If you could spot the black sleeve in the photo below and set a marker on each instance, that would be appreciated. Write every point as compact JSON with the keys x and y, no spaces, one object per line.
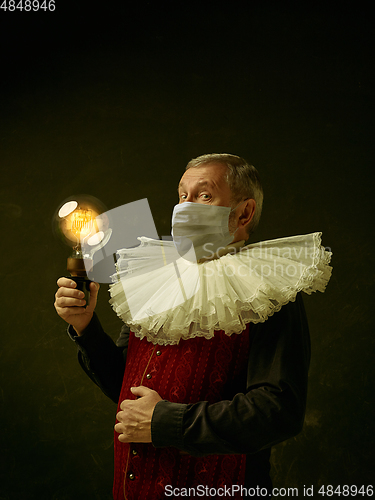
{"x":101,"y":358}
{"x":271,"y":410}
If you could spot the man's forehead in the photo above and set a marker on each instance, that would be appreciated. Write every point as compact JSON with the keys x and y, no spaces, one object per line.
{"x":200,"y":182}
{"x":211,"y":174}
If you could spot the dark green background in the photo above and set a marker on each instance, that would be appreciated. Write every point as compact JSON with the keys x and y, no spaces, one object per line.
{"x":113,"y":101}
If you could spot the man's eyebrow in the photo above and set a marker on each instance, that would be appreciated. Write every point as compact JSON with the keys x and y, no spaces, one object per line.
{"x":200,"y":183}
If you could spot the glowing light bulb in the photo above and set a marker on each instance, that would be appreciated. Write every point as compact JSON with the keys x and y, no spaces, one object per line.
{"x":78,"y":223}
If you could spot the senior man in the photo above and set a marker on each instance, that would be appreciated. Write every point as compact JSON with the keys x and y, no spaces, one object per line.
{"x":204,"y":411}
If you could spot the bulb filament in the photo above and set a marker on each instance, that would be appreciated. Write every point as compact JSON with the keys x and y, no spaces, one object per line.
{"x":82,"y":222}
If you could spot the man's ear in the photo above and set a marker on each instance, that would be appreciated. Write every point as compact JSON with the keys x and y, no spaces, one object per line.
{"x":247,"y":213}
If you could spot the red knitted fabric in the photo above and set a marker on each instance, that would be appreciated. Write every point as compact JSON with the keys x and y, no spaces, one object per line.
{"x":194,"y":370}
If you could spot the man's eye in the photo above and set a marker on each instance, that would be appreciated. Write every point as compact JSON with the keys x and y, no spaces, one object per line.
{"x":205,"y":196}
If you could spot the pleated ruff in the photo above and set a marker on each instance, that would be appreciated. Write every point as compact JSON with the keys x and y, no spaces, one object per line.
{"x":166,"y":298}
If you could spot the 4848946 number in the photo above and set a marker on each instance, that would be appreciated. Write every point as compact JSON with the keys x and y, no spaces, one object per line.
{"x":346,"y":491}
{"x":28,"y":5}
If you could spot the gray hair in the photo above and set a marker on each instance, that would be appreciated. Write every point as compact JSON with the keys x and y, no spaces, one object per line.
{"x":242,"y":178}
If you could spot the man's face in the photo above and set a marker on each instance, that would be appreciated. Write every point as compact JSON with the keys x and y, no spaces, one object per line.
{"x":205,"y":185}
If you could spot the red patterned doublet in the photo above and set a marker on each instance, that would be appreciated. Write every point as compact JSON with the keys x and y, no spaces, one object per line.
{"x":194,"y":370}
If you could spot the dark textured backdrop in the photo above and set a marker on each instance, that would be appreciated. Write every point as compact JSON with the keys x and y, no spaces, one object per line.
{"x":113,"y":101}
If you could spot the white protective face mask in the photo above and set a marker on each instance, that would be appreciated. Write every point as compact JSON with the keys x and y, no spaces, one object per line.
{"x":204,"y":228}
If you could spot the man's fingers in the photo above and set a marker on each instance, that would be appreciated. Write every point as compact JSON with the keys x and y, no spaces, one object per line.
{"x":69,"y":292}
{"x":68,"y":288}
{"x":123,"y":436}
{"x":94,"y":287}
{"x":69,"y":297}
{"x":70,"y":301}
{"x":124,"y":405}
{"x":66,"y":282}
{"x":70,"y":304}
{"x":134,"y":419}
{"x":120,"y":428}
{"x":125,"y":426}
{"x":94,"y":290}
{"x":68,"y":312}
{"x":140,"y":391}
{"x":125,"y":408}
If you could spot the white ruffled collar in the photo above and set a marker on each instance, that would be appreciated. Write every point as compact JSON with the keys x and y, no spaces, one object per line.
{"x":165,"y":298}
